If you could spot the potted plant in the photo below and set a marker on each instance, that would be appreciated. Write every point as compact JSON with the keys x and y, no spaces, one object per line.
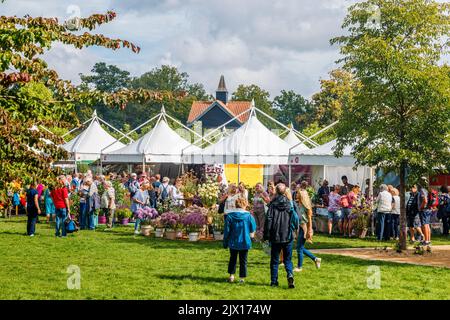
{"x":159,"y":230}
{"x":218,"y":226}
{"x":209,"y":193}
{"x":188,"y":187}
{"x":146,"y":215}
{"x":170,"y":221}
{"x":193,"y":223}
{"x":124,"y":215}
{"x":360,"y":219}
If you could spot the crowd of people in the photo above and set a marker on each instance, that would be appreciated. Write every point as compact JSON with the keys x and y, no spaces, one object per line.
{"x":279,"y":214}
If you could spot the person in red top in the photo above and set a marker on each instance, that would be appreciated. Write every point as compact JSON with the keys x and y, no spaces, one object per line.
{"x":60,"y":198}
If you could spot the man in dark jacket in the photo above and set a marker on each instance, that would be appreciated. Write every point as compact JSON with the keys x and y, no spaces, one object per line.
{"x":281,"y":223}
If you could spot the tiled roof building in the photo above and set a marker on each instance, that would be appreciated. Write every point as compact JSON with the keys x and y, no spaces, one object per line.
{"x":213,"y":114}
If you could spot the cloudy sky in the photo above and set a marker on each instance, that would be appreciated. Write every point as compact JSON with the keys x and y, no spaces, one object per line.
{"x":276,"y":44}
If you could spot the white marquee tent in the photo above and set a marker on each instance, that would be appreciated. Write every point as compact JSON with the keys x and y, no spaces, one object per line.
{"x":294,"y":141}
{"x":88,"y":145}
{"x":252,"y":143}
{"x":327,"y":166}
{"x":160,"y":145}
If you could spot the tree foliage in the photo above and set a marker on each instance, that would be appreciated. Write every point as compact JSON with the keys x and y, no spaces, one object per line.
{"x":31,"y":94}
{"x":399,"y":116}
{"x":291,"y":107}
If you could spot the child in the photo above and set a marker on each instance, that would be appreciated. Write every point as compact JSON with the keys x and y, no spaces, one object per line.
{"x":239,"y":225}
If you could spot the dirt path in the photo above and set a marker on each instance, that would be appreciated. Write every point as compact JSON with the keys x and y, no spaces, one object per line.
{"x":439,"y":257}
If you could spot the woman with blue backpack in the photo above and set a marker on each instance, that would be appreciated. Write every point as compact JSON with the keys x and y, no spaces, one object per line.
{"x":239,"y":225}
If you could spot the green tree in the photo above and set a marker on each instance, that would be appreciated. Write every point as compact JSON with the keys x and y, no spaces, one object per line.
{"x":323,"y":137}
{"x":32,"y":95}
{"x":334,"y":94}
{"x":106,"y":78}
{"x":399,"y":117}
{"x":170,"y":79}
{"x":261,"y":97}
{"x":291,"y":107}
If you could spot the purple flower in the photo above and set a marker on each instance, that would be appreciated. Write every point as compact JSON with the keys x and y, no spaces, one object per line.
{"x":170,"y":219}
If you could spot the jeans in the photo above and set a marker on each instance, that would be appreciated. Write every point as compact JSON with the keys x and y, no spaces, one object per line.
{"x":301,"y":248}
{"x":31,"y":224}
{"x":92,"y":216}
{"x":286,"y":248}
{"x":387,"y":226}
{"x":446,"y":224}
{"x":395,"y":219}
{"x":83,"y":217}
{"x":242,"y":262}
{"x":60,"y":225}
{"x":137,"y":222}
{"x":381,"y":216}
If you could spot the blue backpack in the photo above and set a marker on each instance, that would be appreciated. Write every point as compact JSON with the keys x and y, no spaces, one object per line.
{"x":164,"y":193}
{"x":70,"y":226}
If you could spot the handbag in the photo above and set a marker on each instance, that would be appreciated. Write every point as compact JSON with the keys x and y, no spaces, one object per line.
{"x":70,"y":225}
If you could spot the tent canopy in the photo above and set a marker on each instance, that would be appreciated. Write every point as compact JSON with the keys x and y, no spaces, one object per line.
{"x":293,"y":140}
{"x":89,"y":144}
{"x":323,"y":155}
{"x":160,"y":145}
{"x":252,"y":143}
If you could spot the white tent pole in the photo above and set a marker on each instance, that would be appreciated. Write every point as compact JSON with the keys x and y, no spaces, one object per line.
{"x":77,"y":143}
{"x":314,"y":135}
{"x":324,"y":129}
{"x":146,"y":122}
{"x":224,"y":125}
{"x":252,"y":112}
{"x":143,"y":163}
{"x":117,"y":130}
{"x":289,"y":176}
{"x":279,"y":123}
{"x":153,"y":131}
{"x":75,"y":156}
{"x":239,"y":173}
{"x":45,"y":129}
{"x":117,"y":140}
{"x":89,"y":120}
{"x":186,"y":127}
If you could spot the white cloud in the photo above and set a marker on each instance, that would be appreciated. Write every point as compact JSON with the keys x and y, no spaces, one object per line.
{"x":277,"y":44}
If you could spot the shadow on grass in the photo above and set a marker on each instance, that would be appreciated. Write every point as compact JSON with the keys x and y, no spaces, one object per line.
{"x":204,"y":279}
{"x":156,"y":243}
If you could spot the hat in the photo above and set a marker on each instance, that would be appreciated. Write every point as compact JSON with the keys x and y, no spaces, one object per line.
{"x":134,"y":174}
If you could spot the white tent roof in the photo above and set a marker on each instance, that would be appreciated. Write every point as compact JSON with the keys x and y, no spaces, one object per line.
{"x":323,"y":155}
{"x":89,"y":143}
{"x":160,"y":145}
{"x":293,"y":140}
{"x":252,"y":143}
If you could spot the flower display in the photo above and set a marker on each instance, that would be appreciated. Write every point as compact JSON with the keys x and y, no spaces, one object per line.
{"x":189,"y":184}
{"x":361,"y":216}
{"x":166,"y":206}
{"x":170,"y":220}
{"x":193,"y":222}
{"x":209,"y":193}
{"x":218,"y":222}
{"x":194,"y":209}
{"x":146,"y":215}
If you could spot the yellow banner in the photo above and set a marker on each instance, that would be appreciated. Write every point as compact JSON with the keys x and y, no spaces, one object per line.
{"x":251,"y":174}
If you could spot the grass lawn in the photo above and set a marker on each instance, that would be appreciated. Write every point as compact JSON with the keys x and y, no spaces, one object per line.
{"x":119,"y":265}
